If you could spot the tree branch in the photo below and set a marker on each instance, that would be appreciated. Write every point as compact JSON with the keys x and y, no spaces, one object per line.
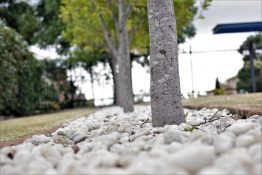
{"x":128,"y":12}
{"x":132,"y":34}
{"x":115,"y":19}
{"x":107,"y":36}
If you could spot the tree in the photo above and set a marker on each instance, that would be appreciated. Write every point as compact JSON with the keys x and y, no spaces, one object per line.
{"x":118,"y":45}
{"x":20,"y":16}
{"x":166,"y":102}
{"x":244,"y":77}
{"x":123,"y":25}
{"x":21,"y":75}
{"x":87,"y":60}
{"x":218,"y":89}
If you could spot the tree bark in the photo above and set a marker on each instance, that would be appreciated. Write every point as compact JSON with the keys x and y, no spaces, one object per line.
{"x":166,"y":102}
{"x":115,"y":73}
{"x":92,"y":81}
{"x":126,"y":91}
{"x":121,"y":54}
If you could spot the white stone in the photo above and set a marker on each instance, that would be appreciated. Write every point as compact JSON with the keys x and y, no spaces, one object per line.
{"x":158,"y":151}
{"x":8,"y":170}
{"x":235,"y":159}
{"x":257,"y":169}
{"x":163,"y":150}
{"x":223,"y":143}
{"x":79,"y":138}
{"x":5,"y":160}
{"x":196,"y":135}
{"x":207,"y":139}
{"x":39,"y":165}
{"x":184,"y":126}
{"x":8,"y":150}
{"x":66,"y":164}
{"x":36,"y":139}
{"x":241,"y":127}
{"x":255,"y":151}
{"x":125,"y":160}
{"x":108,"y":159}
{"x":144,"y":138}
{"x":194,"y":120}
{"x":172,"y":136}
{"x":51,"y":154}
{"x":144,"y":164}
{"x":244,"y":140}
{"x":120,"y":149}
{"x":25,"y":146}
{"x":139,"y":133}
{"x":212,"y":171}
{"x":194,"y":158}
{"x":124,"y":139}
{"x":51,"y":171}
{"x":23,"y":158}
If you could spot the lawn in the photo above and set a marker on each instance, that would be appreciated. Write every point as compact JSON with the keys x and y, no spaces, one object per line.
{"x":21,"y":128}
{"x":251,"y":103}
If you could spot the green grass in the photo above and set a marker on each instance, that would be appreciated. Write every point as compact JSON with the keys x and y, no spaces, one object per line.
{"x":24,"y":127}
{"x":253,"y":100}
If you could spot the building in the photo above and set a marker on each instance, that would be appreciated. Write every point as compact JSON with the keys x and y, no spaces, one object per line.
{"x":230,"y":85}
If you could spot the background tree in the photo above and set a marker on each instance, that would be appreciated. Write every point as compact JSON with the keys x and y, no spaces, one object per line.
{"x":21,"y":75}
{"x":218,"y":89}
{"x":87,"y":60}
{"x":165,"y":93}
{"x":244,"y":77}
{"x":50,"y":26}
{"x":86,"y":29}
{"x":37,"y":22}
{"x":20,"y":16}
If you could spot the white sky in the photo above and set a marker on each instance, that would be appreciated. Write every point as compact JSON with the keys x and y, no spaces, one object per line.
{"x":206,"y":66}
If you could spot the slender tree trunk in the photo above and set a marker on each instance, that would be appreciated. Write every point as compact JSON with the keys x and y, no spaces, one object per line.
{"x":121,"y":54}
{"x":115,"y":73}
{"x":92,"y":82}
{"x":166,"y":103}
{"x":126,"y":91}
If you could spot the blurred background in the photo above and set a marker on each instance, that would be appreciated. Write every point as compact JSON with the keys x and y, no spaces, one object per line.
{"x":53,"y":55}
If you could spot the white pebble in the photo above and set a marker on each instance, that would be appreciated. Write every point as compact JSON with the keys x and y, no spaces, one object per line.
{"x":223,"y":143}
{"x":241,"y":127}
{"x":194,"y":158}
{"x":36,"y":139}
{"x":244,"y":140}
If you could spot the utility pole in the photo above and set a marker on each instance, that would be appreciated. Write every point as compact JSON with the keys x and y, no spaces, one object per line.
{"x":251,"y":48}
{"x":192,"y":78}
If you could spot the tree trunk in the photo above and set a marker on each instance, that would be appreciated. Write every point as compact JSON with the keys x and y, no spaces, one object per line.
{"x":166,"y":103}
{"x":126,"y":91}
{"x":115,"y":73}
{"x":122,"y":56}
{"x":92,"y":82}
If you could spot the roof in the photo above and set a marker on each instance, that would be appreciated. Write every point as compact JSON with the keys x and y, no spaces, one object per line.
{"x":238,"y":27}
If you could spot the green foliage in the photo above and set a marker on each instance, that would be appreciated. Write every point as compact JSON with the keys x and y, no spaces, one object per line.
{"x":217,"y":84}
{"x":23,"y":90}
{"x":218,"y":90}
{"x":84,"y":28}
{"x":50,"y":26}
{"x":20,"y":16}
{"x":38,"y":23}
{"x":191,"y":129}
{"x":20,"y":74}
{"x":244,"y":77}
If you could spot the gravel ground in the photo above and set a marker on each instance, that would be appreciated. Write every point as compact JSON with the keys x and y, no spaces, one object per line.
{"x":111,"y":142}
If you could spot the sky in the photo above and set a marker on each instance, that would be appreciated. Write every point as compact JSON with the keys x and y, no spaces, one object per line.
{"x":206,"y":67}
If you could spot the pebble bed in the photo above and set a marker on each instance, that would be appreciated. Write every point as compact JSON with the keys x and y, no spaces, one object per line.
{"x":111,"y":142}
